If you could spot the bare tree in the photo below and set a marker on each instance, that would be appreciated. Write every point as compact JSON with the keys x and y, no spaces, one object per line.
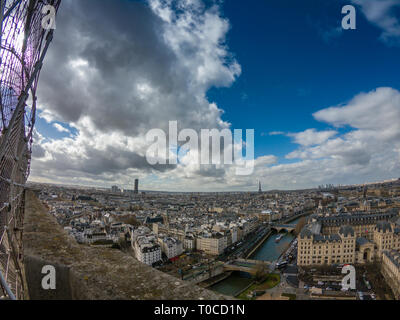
{"x":300,"y":225}
{"x":260,"y":272}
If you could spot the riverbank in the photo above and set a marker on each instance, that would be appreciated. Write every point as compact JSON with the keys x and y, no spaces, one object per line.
{"x":243,"y":291}
{"x":270,"y":282}
{"x":213,"y":281}
{"x":232,"y":285}
{"x":269,"y":250}
{"x":259,"y":244}
{"x":265,"y":250}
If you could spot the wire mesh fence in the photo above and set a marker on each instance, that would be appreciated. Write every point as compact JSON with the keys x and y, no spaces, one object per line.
{"x":24,"y":40}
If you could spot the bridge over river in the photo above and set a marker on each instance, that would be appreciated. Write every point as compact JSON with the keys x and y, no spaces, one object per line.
{"x":245,"y":265}
{"x":268,"y":252}
{"x":284,"y":227}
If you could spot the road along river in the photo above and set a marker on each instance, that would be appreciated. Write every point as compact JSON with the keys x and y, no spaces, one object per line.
{"x":268,"y":251}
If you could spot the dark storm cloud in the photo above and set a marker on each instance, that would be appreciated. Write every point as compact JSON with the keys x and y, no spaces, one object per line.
{"x":118,"y":42}
{"x":122,"y":68}
{"x":38,"y":151}
{"x":104,"y":54}
{"x":96,"y":165}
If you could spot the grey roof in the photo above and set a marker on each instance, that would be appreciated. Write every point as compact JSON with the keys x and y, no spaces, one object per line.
{"x":361,"y":241}
{"x":305,"y":233}
{"x":383,"y":226}
{"x":346,"y":231}
{"x":311,"y":229}
{"x":357,"y":218}
{"x":327,"y":238}
{"x":315,"y":228}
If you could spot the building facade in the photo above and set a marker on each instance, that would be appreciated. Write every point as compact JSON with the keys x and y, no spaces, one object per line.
{"x":212,"y":245}
{"x":171,"y":247}
{"x":361,"y":238}
{"x":189,"y":243}
{"x":391,"y":270}
{"x":145,"y":246}
{"x":136,"y":191}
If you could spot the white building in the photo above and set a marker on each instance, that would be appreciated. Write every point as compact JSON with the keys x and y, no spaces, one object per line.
{"x":234,"y":234}
{"x":171,"y":247}
{"x":189,"y":243}
{"x":145,"y":245}
{"x":270,"y":216}
{"x":91,"y":236}
{"x":147,"y":250}
{"x":212,"y":244}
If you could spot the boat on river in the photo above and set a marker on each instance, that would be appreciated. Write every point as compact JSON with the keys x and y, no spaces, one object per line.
{"x":279,"y":238}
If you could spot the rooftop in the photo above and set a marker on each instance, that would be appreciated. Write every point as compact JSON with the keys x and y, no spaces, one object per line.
{"x":89,"y":273}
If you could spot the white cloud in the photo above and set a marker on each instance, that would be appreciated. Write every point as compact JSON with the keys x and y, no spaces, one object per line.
{"x":312,"y":137}
{"x":382,"y":13}
{"x":116,"y":81}
{"x":375,"y":114}
{"x":276,"y":133}
{"x":367,"y":151}
{"x":60,"y":128}
{"x":149,"y":66}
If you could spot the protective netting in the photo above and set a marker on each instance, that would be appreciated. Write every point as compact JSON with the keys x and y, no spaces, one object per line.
{"x":24,"y":42}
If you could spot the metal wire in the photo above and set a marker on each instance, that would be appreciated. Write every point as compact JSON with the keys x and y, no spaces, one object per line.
{"x":23,"y":45}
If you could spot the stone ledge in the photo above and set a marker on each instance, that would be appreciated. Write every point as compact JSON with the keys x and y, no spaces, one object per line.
{"x":89,"y":273}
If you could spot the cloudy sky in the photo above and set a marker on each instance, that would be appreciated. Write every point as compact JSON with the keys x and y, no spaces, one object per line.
{"x":324,"y":102}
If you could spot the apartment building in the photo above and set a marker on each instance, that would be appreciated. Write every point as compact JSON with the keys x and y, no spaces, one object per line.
{"x":212,"y":244}
{"x":189,"y":243}
{"x":350,"y":244}
{"x":171,"y":247}
{"x":146,"y":247}
{"x":317,"y":249}
{"x":269,"y":215}
{"x":362,"y":223}
{"x":386,"y":237}
{"x":170,"y":230}
{"x":391,"y":270}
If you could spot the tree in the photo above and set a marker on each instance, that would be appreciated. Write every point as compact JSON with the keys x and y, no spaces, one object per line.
{"x":129,"y":220}
{"x":260,"y":272}
{"x":300,"y":225}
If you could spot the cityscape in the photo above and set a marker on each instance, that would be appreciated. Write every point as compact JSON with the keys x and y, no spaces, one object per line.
{"x":205,"y":156}
{"x":274,"y":245}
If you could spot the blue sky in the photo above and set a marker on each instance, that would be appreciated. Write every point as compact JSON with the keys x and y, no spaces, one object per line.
{"x":291,"y":70}
{"x":331,"y":96}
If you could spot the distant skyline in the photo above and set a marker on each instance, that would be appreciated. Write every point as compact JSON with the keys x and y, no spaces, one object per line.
{"x":324,"y":102}
{"x":236,"y":191}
